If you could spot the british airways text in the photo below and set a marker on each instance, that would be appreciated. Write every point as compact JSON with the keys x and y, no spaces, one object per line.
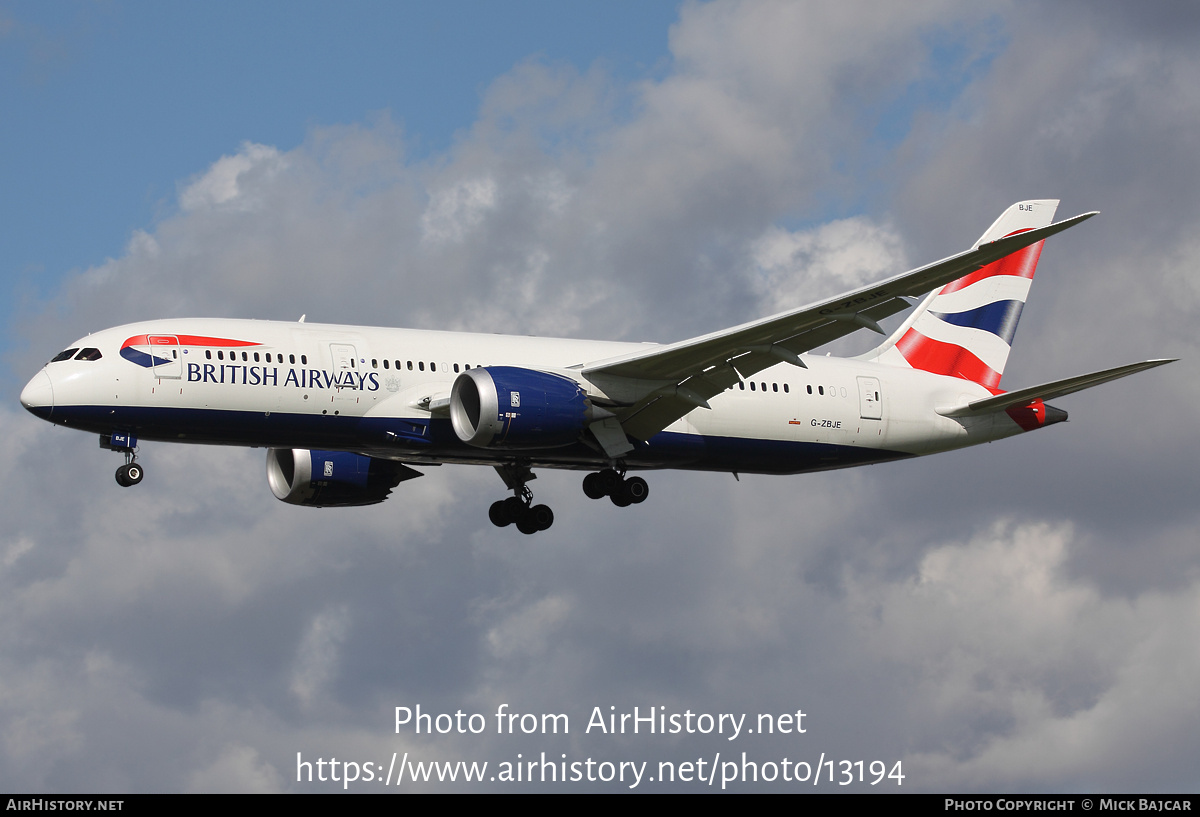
{"x":270,"y":376}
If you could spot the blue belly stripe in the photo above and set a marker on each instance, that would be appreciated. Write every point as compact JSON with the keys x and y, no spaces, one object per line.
{"x":434,"y":440}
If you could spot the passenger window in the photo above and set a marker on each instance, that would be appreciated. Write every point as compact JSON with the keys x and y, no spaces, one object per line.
{"x":456,"y":368}
{"x":742,"y":385}
{"x":246,"y":358}
{"x":410,"y":365}
{"x":385,"y":363}
{"x":751,"y":385}
{"x":304,"y":360}
{"x":774,"y":387}
{"x":821,"y":389}
{"x":66,"y":354}
{"x":208,"y":354}
{"x":421,"y":365}
{"x":786,"y":390}
{"x":375,"y":363}
{"x":810,"y":388}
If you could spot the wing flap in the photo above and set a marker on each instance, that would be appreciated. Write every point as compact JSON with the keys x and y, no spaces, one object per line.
{"x":661,"y":408}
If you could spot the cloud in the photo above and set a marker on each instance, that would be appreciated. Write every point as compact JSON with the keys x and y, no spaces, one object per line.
{"x":238,"y":769}
{"x":795,"y":267}
{"x":231,"y":179}
{"x":317,"y":659}
{"x":455,"y":210}
{"x":1024,"y":675}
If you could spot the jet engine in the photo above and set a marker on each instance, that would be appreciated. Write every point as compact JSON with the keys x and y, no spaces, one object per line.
{"x":331,"y":479}
{"x":512,"y":408}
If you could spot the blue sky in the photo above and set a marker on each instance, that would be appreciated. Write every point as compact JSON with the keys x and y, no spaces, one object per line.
{"x":1013,"y":617}
{"x":109,"y":107}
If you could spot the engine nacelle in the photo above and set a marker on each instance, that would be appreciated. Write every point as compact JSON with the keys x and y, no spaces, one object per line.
{"x":330,"y":479}
{"x":511,"y":408}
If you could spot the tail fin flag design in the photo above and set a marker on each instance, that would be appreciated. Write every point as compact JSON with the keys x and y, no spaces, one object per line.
{"x":965,"y":329}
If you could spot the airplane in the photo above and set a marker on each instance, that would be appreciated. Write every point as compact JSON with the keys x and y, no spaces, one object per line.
{"x":346,"y":412}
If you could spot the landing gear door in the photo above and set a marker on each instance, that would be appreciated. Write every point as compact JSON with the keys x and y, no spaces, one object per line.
{"x":870,"y":401}
{"x":164,"y":351}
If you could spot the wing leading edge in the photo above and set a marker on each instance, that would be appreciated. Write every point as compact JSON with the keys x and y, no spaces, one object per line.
{"x":654,"y":388}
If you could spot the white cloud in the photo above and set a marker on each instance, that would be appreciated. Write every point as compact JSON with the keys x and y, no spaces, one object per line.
{"x":227,"y":182}
{"x":794,"y":268}
{"x":454,"y":210}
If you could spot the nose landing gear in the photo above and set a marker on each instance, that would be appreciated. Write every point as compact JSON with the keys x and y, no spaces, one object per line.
{"x":130,"y":473}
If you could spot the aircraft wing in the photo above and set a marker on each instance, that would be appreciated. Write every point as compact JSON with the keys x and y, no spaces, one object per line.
{"x":1048,"y":391}
{"x":658,"y":386}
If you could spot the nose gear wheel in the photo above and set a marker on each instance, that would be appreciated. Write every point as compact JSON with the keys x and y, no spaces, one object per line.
{"x":131,"y":472}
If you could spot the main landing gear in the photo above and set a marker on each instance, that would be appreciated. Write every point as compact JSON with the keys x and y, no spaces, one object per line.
{"x":519,"y":509}
{"x":614,"y":485}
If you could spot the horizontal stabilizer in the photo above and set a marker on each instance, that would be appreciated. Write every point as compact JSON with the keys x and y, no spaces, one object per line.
{"x":1047,"y":391}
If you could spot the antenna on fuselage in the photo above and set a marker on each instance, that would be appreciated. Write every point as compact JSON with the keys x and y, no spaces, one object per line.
{"x":302,"y":317}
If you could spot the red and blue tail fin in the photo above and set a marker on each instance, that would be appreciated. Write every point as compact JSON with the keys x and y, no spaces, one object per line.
{"x":965,"y":329}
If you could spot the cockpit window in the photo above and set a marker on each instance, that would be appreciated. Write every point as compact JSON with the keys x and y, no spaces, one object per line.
{"x":88,"y":354}
{"x":66,"y":354}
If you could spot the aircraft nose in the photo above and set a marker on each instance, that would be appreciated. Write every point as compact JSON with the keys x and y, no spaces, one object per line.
{"x":38,"y":395}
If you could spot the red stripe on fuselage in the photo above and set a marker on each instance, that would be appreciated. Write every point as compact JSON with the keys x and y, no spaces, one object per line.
{"x":190,"y":340}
